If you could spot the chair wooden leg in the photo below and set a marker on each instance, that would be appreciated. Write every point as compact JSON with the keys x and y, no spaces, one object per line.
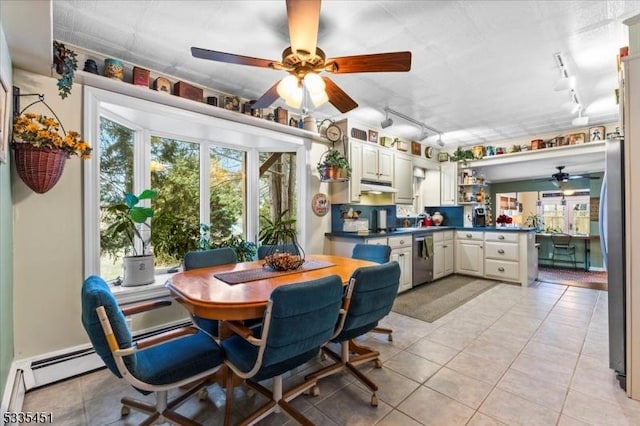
{"x":295,"y":414}
{"x":383,"y":330}
{"x":229,"y":400}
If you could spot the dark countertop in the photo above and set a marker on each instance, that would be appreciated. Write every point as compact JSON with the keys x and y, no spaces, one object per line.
{"x":404,"y":231}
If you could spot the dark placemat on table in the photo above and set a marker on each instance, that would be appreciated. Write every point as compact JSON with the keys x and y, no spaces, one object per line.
{"x":238,"y":277}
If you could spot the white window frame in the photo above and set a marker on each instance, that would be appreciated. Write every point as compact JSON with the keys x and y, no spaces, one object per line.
{"x":231,"y":134}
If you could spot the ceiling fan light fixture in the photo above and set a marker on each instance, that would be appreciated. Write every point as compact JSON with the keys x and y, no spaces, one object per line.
{"x":314,"y":83}
{"x":288,"y":86}
{"x":318,"y":98}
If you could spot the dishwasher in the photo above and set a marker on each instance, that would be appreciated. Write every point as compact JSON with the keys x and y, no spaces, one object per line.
{"x":422,"y":258}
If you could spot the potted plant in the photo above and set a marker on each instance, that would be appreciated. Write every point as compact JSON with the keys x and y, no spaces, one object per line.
{"x":285,"y":253}
{"x":333,"y":165}
{"x":41,"y":150}
{"x":129,"y":218}
{"x":463,"y":155}
{"x":245,"y":250}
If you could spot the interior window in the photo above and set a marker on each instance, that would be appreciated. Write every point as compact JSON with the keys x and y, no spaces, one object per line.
{"x":116,"y":177}
{"x":228,"y":192}
{"x":175,"y":174}
{"x":277,"y":185}
{"x":202,"y":167}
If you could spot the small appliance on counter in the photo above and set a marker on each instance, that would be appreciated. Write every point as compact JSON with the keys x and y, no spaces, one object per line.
{"x":382,"y":220}
{"x":479,"y":216}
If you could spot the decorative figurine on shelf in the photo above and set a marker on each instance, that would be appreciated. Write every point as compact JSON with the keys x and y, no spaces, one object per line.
{"x":90,"y":66}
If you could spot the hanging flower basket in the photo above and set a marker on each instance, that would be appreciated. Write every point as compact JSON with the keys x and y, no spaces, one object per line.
{"x":40,"y":168}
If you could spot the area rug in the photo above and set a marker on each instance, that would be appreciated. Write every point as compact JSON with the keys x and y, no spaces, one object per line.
{"x":429,"y":302}
{"x":571,"y":277}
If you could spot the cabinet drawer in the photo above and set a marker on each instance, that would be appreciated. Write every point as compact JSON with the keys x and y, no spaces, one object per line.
{"x":500,"y":269}
{"x":376,"y":241}
{"x":511,"y":237}
{"x":400,"y":241}
{"x":469,"y":235}
{"x":503,"y":251}
{"x":438,"y":237}
{"x":448,"y":235}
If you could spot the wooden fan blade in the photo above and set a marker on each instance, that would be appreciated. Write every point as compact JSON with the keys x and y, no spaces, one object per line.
{"x":304,"y":19}
{"x":378,"y":62}
{"x":268,"y":98}
{"x":338,"y":97}
{"x":230,"y":58}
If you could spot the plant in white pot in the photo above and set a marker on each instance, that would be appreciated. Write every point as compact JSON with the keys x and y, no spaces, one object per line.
{"x":128,"y":218}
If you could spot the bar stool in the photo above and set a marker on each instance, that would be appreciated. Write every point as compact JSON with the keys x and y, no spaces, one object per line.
{"x":562,"y":247}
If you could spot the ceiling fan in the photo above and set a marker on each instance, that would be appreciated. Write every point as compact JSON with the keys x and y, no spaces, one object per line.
{"x":304,"y":61}
{"x":561,"y":177}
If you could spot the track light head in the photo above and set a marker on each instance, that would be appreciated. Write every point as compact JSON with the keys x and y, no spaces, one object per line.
{"x":386,"y":123}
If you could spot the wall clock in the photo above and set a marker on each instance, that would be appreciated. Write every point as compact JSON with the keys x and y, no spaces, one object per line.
{"x":428,"y":152}
{"x":333,"y":133}
{"x":320,"y":204}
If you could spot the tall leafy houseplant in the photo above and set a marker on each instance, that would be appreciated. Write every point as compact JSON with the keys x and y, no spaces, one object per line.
{"x":129,"y":218}
{"x":285,"y":253}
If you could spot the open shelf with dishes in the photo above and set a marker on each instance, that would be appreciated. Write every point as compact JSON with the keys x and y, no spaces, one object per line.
{"x":472,"y":188}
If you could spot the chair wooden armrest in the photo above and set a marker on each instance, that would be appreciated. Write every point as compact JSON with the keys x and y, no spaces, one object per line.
{"x":144,"y":306}
{"x":166,"y":336}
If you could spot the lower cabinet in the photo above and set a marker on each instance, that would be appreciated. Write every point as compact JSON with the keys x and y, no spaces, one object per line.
{"x":401,"y":252}
{"x":443,"y":254}
{"x":502,"y":256}
{"x":469,"y":253}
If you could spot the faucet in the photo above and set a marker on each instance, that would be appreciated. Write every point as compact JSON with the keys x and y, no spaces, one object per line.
{"x":420,"y":223}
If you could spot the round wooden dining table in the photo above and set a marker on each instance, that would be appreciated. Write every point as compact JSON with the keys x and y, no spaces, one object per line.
{"x":206,"y":296}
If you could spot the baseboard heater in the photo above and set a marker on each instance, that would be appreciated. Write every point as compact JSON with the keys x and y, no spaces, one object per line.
{"x":72,"y":363}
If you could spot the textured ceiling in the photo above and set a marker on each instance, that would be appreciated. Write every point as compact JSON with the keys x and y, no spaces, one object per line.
{"x":482,"y":71}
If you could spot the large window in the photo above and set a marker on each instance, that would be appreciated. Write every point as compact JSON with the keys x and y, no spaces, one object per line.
{"x":566,"y":213}
{"x":206,"y":171}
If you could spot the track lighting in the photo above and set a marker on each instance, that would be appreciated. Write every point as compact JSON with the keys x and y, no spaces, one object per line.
{"x":580,"y":120}
{"x":387,"y":122}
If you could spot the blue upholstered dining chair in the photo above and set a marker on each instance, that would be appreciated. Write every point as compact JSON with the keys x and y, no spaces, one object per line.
{"x":183,"y":357}
{"x":368,"y":299}
{"x":202,"y":259}
{"x":378,"y":253}
{"x":298,"y":320}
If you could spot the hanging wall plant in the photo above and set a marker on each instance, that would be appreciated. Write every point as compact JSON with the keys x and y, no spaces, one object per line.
{"x":66,"y":63}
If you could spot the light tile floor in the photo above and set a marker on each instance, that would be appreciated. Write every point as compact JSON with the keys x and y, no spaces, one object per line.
{"x":516,"y":356}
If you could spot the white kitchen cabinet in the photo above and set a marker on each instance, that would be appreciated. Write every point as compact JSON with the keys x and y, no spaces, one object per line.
{"x":469,"y":253}
{"x":443,"y":254}
{"x":401,"y":252}
{"x":403,"y":179}
{"x":377,"y":163}
{"x":355,"y":160}
{"x":448,"y":183}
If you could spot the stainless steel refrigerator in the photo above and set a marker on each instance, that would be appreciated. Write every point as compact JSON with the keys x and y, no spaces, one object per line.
{"x":612,"y":239}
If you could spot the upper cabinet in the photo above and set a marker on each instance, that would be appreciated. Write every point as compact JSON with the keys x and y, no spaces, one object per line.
{"x":403,"y":179}
{"x":448,"y":183}
{"x":377,"y":163}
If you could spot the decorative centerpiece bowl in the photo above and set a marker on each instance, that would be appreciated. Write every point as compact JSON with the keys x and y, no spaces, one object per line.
{"x":283,"y":261}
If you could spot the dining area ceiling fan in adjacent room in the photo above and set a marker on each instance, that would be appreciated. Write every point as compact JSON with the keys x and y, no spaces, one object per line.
{"x":561,"y":177}
{"x":305,"y":61}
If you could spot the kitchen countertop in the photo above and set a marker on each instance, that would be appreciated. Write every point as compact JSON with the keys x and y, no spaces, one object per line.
{"x":403,"y":231}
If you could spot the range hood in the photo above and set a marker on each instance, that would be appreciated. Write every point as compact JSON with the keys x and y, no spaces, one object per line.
{"x":376,"y":187}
